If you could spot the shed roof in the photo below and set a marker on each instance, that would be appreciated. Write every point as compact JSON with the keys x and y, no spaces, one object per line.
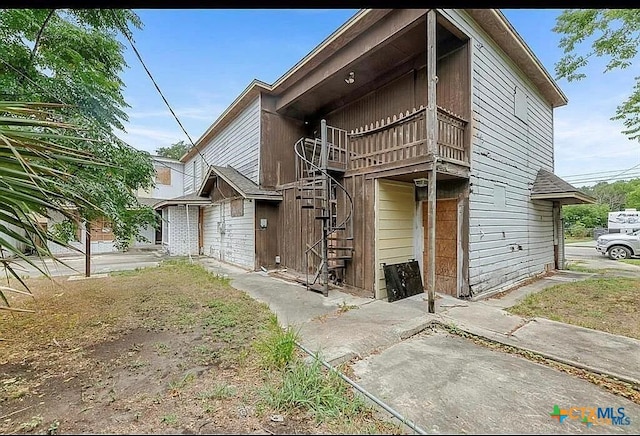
{"x":548,"y":186}
{"x":190,"y":199}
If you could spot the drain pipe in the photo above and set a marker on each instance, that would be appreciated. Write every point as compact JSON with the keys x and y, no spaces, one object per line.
{"x":362,"y":390}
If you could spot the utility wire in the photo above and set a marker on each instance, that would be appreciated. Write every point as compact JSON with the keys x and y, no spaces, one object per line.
{"x":59,"y":100}
{"x":139,"y":56}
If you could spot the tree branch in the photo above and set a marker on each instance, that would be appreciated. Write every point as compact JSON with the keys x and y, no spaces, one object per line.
{"x":37,"y":41}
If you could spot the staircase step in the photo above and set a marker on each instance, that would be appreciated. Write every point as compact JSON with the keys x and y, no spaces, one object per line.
{"x":346,"y":238}
{"x":307,"y":206}
{"x":323,"y":217}
{"x":345,"y":257}
{"x":339,"y":248}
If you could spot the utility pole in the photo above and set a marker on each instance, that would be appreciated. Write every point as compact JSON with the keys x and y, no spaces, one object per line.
{"x":432,"y":148}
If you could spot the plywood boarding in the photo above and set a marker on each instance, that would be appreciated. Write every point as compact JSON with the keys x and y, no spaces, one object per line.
{"x":394,"y":218}
{"x":163,"y":175}
{"x":509,"y":242}
{"x":446,"y":255}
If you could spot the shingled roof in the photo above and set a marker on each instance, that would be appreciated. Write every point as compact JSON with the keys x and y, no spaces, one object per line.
{"x":548,"y":186}
{"x":190,"y":199}
{"x":243,"y":185}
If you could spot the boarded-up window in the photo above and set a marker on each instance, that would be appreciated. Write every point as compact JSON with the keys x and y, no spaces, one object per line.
{"x":499,"y":196}
{"x":520,"y":104}
{"x":101,"y":230}
{"x":237,"y":207}
{"x":163,"y":175}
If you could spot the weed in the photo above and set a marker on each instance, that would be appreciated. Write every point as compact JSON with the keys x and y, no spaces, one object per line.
{"x":277,"y":346}
{"x":170,"y":419}
{"x":323,"y":394}
{"x":177,"y":385}
{"x":344,"y":307}
{"x":137,"y":364}
{"x":53,"y":427}
{"x":32,"y":423}
{"x":218,"y":392}
{"x":161,"y":348}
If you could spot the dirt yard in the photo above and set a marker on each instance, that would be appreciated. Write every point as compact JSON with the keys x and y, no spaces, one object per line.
{"x":168,"y":350}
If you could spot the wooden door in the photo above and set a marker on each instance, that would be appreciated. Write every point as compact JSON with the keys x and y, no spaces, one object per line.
{"x":446,"y":245}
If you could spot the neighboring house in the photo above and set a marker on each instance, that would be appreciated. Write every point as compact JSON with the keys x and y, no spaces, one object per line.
{"x":168,"y":184}
{"x":327,"y":171}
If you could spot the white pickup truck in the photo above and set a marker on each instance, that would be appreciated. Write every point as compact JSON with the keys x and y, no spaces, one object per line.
{"x":619,"y":245}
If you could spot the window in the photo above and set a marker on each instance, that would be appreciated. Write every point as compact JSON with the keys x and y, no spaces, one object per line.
{"x":163,"y":175}
{"x":237,"y":207}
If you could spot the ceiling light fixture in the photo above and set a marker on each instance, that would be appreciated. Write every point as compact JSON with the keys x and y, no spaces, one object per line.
{"x":351,"y":77}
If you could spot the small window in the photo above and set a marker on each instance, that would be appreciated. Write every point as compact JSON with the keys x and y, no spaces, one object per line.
{"x":163,"y":176}
{"x":520,"y":104}
{"x":237,"y":207}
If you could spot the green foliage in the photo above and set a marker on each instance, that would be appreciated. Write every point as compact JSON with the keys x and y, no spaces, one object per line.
{"x":585,"y":216}
{"x":613,"y":34}
{"x":73,"y":56}
{"x":174,"y":151}
{"x":308,"y":387}
{"x":277,"y":347}
{"x":65,"y":230}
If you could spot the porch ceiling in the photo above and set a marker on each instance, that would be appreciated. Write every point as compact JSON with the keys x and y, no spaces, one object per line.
{"x":405,"y":51}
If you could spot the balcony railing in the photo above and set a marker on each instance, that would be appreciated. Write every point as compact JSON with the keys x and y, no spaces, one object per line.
{"x":403,"y":137}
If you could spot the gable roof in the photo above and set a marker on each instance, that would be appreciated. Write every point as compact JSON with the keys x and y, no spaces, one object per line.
{"x":492,"y":21}
{"x":243,"y":186}
{"x":548,"y":186}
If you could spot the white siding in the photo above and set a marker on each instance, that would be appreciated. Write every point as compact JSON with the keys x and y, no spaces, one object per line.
{"x":394,"y":214}
{"x":175,"y":189}
{"x":230,"y":239}
{"x":236,"y":145}
{"x":511,"y":238}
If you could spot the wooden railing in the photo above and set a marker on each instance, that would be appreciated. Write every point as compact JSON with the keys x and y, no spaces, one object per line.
{"x":404,"y":137}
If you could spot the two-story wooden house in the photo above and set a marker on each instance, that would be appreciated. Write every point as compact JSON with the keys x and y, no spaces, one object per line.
{"x":406,"y":134}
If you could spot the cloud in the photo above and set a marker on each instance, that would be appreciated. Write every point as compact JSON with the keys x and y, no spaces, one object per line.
{"x":202,"y":113}
{"x":151,"y":138}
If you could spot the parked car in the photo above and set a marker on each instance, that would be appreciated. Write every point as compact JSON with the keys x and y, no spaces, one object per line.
{"x":619,"y":245}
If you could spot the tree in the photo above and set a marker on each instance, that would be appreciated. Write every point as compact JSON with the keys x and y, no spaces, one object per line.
{"x":174,"y":151}
{"x":73,"y":56}
{"x":37,"y":177}
{"x":613,"y":34}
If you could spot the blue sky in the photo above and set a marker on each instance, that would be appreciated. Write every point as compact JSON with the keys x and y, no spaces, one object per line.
{"x":203,"y":59}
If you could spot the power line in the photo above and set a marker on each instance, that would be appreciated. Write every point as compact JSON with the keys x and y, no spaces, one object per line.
{"x":139,"y":56}
{"x":59,"y":100}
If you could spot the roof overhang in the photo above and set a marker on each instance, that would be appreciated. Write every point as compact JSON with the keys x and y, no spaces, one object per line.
{"x":564,"y":198}
{"x":182,"y":202}
{"x":496,"y":25}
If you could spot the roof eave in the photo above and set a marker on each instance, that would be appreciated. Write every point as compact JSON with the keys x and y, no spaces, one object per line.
{"x":574,"y":196}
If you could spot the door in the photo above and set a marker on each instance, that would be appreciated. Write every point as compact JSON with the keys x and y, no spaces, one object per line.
{"x":158,"y":238}
{"x":446,"y":245}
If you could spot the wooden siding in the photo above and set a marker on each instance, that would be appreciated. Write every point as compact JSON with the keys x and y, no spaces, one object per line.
{"x":237,"y":145}
{"x":453,"y":81}
{"x":394,"y":218}
{"x":267,"y":240}
{"x":510,"y":240}
{"x":278,"y":135}
{"x":230,"y":239}
{"x":297,"y":229}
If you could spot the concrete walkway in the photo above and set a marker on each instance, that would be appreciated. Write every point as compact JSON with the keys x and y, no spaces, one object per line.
{"x":401,"y":356}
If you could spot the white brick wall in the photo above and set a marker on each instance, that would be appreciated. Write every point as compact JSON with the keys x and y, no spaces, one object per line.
{"x":183,"y":235}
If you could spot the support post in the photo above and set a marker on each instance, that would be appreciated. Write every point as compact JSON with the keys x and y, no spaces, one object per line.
{"x":326,"y":212}
{"x":432,"y":149}
{"x":87,"y":250}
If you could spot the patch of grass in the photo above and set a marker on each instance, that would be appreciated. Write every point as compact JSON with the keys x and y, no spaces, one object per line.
{"x":179,"y":384}
{"x":578,"y":267}
{"x":218,"y":392}
{"x":161,"y":348}
{"x":608,"y":304}
{"x":310,"y":388}
{"x":30,"y":425}
{"x":631,"y":261}
{"x":570,"y":240}
{"x":277,"y":346}
{"x":170,"y":419}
